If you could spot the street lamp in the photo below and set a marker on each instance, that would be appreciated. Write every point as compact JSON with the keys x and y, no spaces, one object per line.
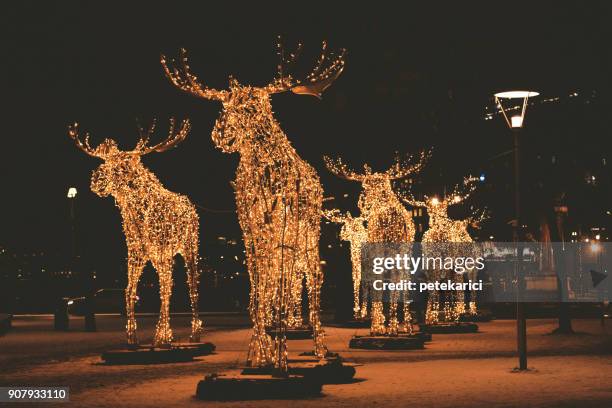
{"x":90,"y":318}
{"x":515,"y":123}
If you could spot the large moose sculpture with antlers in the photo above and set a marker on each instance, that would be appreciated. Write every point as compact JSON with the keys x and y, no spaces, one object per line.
{"x":388,"y":221}
{"x":158,"y":224}
{"x":444,"y":238}
{"x":278,"y":196}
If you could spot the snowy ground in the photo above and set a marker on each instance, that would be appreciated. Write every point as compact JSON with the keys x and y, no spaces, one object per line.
{"x":452,"y":371}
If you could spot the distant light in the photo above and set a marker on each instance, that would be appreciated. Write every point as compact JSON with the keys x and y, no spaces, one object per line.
{"x":72,"y":192}
{"x":482,"y":177}
{"x":456,"y":199}
{"x":70,"y":302}
{"x":517,"y":121}
{"x":323,"y":262}
{"x":597,"y":237}
{"x":345,"y":195}
{"x":435,"y":201}
{"x":516,"y":94}
{"x":491,"y":237}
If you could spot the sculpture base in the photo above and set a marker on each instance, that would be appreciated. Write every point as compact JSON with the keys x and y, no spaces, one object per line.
{"x":423,"y":335}
{"x":326,"y":371}
{"x":400,"y":342}
{"x":255,"y":387}
{"x":5,"y":322}
{"x":478,"y":317}
{"x":147,"y":354}
{"x":452,"y":327}
{"x":295,"y":333}
{"x":198,"y":349}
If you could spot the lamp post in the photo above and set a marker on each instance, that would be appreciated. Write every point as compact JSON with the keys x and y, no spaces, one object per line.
{"x":72,"y":193}
{"x":515,"y":123}
{"x":90,"y":318}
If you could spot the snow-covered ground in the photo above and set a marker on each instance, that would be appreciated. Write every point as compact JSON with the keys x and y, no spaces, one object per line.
{"x":453,"y":370}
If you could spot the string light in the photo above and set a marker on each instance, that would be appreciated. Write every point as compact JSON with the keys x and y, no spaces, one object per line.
{"x":157,"y":223}
{"x":444,"y":230}
{"x":278,"y":198}
{"x":354,"y":231}
{"x":387,"y":219}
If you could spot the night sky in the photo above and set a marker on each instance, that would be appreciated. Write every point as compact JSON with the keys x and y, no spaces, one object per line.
{"x":415,"y":77}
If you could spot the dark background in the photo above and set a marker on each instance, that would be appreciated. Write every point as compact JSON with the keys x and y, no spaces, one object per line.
{"x":416,"y":77}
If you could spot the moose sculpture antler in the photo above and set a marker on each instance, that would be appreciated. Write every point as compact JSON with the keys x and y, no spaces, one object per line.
{"x":157,"y":223}
{"x":278,"y":197}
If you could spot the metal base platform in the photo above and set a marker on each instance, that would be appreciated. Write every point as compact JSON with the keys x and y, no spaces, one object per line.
{"x":400,"y":342}
{"x":326,"y":371}
{"x":255,"y":387}
{"x":147,"y":354}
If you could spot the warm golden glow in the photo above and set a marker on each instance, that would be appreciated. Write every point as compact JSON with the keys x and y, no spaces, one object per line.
{"x":387,"y":221}
{"x":278,"y":198}
{"x":444,"y":229}
{"x":516,"y":94}
{"x":354,"y":231}
{"x":157,"y":223}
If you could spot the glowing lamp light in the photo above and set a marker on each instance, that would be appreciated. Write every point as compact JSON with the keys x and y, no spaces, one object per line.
{"x":72,"y":192}
{"x":435,"y":201}
{"x":516,"y":121}
{"x":516,"y":94}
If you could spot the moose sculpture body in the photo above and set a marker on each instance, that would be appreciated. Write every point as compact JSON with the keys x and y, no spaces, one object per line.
{"x":442,"y":239}
{"x":388,"y":221}
{"x":158,"y":224}
{"x":278,"y":198}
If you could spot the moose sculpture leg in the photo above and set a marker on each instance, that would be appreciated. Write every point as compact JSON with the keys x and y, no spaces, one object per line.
{"x":163,"y":332}
{"x":135,"y":268}
{"x":193,"y":280}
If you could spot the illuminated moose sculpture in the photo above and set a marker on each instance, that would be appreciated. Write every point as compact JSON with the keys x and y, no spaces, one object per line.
{"x":158,"y":224}
{"x":278,"y":197}
{"x":354,"y":231}
{"x":387,"y":221}
{"x":443,"y":229}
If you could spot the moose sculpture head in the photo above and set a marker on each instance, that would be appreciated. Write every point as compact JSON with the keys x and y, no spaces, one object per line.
{"x":247,"y":117}
{"x":378,"y":192}
{"x":117,"y":175}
